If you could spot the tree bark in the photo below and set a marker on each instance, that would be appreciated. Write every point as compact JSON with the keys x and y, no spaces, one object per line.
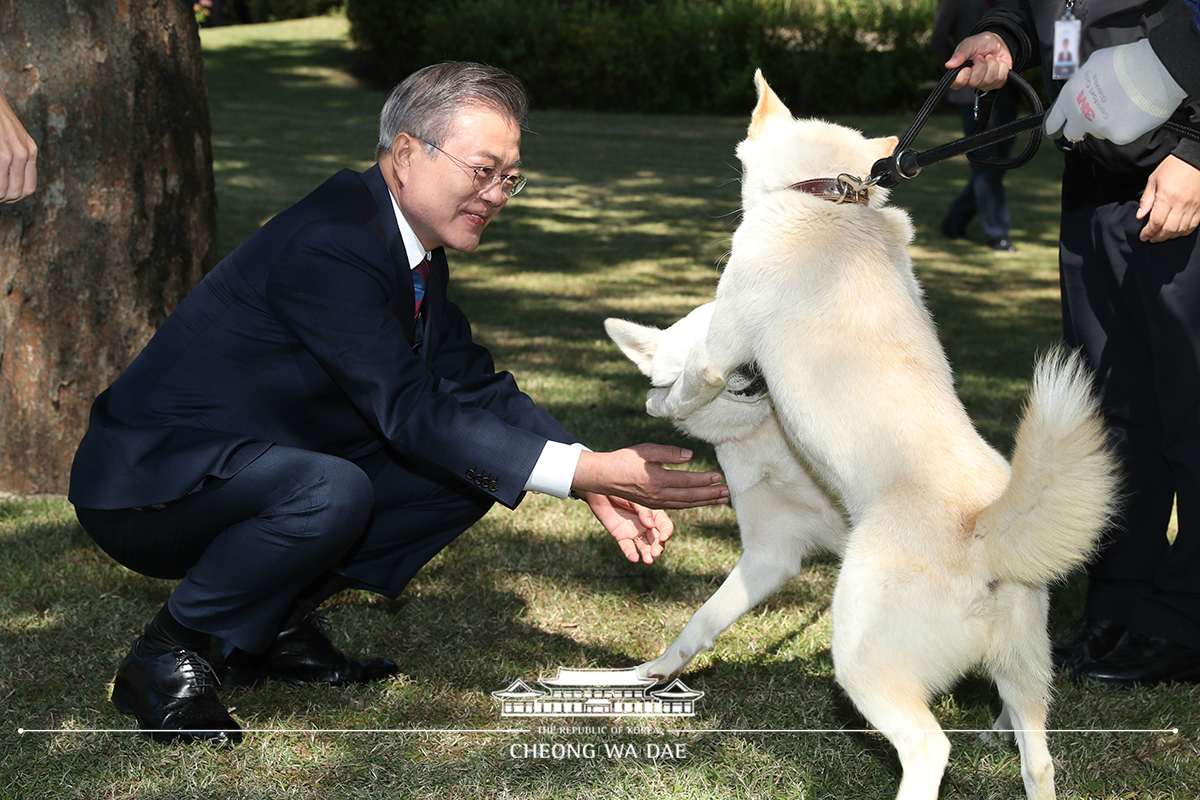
{"x":122,"y":225}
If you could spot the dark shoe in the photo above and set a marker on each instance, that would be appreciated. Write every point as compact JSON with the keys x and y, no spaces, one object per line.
{"x":1090,"y":639}
{"x":953,"y":230}
{"x":174,"y":698}
{"x":302,"y":655}
{"x":1140,"y":660}
{"x":1002,"y":244}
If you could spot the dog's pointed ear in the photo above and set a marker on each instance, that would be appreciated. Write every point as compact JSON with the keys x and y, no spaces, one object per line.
{"x":638,"y":342}
{"x":886,"y":145}
{"x":769,"y":108}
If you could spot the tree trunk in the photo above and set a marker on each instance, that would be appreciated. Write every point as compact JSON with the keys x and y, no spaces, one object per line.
{"x":123,"y":222}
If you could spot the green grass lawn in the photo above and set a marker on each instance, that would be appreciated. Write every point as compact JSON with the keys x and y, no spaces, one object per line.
{"x":625,"y":215}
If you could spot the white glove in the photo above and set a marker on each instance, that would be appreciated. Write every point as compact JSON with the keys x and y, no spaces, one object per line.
{"x":1119,"y":94}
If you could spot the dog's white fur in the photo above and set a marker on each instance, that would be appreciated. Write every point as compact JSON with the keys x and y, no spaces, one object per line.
{"x":946,"y":551}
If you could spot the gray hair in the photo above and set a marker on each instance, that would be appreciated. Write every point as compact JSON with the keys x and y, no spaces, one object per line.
{"x":427,"y":103}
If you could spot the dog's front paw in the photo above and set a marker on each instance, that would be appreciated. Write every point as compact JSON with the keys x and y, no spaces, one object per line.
{"x":659,"y":403}
{"x":664,"y":668}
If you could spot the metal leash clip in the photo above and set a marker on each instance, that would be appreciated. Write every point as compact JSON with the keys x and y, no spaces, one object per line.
{"x":853,"y":188}
{"x":848,"y":183}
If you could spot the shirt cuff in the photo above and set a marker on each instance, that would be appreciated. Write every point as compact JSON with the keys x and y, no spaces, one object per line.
{"x":1188,"y":151}
{"x":554,"y":471}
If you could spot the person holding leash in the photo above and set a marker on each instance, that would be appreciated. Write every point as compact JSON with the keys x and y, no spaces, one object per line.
{"x":1130,"y":274}
{"x":315,"y":416}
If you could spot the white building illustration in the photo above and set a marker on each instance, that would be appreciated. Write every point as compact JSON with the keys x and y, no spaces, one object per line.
{"x":597,"y":693}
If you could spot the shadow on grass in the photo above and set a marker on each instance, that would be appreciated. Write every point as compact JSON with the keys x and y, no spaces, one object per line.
{"x":462,"y":634}
{"x":285,"y":118}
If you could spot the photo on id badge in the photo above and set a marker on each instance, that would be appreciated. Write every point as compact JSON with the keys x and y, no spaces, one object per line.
{"x":1066,"y":49}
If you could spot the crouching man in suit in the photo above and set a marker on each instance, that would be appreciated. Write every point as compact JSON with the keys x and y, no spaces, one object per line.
{"x":316,"y":417}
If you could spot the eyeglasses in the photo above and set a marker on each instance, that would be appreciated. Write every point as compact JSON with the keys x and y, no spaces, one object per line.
{"x":487,"y":177}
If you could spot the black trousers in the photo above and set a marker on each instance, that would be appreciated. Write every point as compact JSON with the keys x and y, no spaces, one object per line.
{"x":1134,"y":309}
{"x":247,"y":546}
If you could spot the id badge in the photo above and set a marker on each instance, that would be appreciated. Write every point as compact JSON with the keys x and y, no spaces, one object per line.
{"x":1066,"y":46}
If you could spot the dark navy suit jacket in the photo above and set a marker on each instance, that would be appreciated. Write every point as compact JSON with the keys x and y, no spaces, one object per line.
{"x":304,"y":336}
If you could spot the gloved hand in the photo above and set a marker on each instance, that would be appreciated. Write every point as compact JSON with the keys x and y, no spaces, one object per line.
{"x":1119,"y":94}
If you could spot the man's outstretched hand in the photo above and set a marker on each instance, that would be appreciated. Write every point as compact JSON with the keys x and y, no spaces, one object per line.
{"x":641,"y":532}
{"x":626,"y":489}
{"x":637,"y":474}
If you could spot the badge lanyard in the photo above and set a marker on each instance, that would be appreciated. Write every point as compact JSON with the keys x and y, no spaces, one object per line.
{"x":1066,"y":44}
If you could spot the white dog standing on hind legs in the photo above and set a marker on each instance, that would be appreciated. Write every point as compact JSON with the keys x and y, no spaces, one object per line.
{"x":947,"y":552}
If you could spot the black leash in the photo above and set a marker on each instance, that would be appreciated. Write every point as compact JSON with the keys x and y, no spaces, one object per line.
{"x":906,"y":163}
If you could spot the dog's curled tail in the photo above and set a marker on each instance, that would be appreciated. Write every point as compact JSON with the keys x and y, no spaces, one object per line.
{"x":1065,"y":480}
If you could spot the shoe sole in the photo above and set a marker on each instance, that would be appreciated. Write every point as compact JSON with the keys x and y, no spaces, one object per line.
{"x":1190,"y":676}
{"x":122,"y":698}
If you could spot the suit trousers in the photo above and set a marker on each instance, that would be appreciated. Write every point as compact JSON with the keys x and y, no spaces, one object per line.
{"x":1134,"y":309}
{"x":246,"y":546}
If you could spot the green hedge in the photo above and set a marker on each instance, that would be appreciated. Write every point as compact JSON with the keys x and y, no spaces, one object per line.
{"x":822,"y":56}
{"x":270,"y":10}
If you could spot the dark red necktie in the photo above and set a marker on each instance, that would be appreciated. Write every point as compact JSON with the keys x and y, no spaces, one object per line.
{"x":420,"y":275}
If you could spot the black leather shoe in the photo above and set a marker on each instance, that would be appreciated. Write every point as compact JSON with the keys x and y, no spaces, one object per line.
{"x":1140,"y":660}
{"x":174,"y":698}
{"x":1090,"y":639}
{"x":304,"y":656}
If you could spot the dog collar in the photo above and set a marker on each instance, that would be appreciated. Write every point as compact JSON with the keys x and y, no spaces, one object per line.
{"x":835,"y":190}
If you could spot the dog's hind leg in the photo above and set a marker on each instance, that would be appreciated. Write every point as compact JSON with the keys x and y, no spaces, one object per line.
{"x":900,"y":713}
{"x":1025,"y":709}
{"x":1023,"y":672}
{"x":769,"y":562}
{"x":887,"y":658}
{"x":1002,"y":730}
